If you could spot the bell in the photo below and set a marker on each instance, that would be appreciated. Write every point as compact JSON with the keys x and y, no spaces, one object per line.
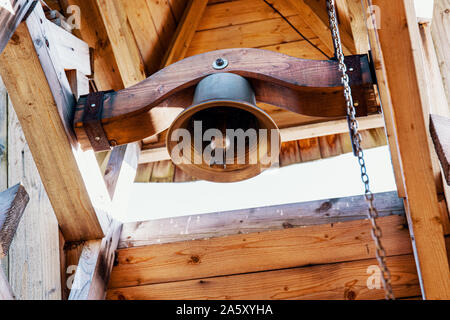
{"x":223,"y":136}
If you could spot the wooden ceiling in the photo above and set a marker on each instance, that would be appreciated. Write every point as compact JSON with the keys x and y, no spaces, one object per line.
{"x":163,"y":32}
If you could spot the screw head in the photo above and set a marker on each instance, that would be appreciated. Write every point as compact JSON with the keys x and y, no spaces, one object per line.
{"x":220,"y":63}
{"x":93,"y":105}
{"x":351,"y":69}
{"x":97,"y":139}
{"x":356,"y":104}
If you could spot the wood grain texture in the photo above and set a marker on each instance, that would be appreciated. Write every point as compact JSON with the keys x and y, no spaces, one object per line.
{"x":12,"y":205}
{"x":404,"y":74}
{"x":219,"y":224}
{"x":185,"y":32}
{"x":3,"y":153}
{"x":11,"y":15}
{"x":34,"y":262}
{"x":93,"y":32}
{"x":43,"y":103}
{"x":6,"y":292}
{"x":242,"y":253}
{"x":94,"y":267}
{"x":440,"y":133}
{"x":339,"y":281}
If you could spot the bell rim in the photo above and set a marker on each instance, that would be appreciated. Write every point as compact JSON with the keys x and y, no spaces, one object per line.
{"x":250,"y":171}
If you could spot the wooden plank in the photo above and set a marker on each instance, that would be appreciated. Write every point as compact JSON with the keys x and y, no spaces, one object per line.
{"x":3,"y":153}
{"x":72,"y":178}
{"x":94,"y":266}
{"x":320,"y":27}
{"x":145,"y":34}
{"x":219,"y":224}
{"x":11,"y":14}
{"x":440,"y":133}
{"x":79,"y":83}
{"x":93,"y":32}
{"x":341,"y":281}
{"x":34,"y":263}
{"x":440,"y":31}
{"x":352,"y":15}
{"x":12,"y":204}
{"x":242,"y":253}
{"x":163,"y":171}
{"x":401,"y":70}
{"x":241,"y":12}
{"x":300,"y":49}
{"x":6,"y":292}
{"x":163,"y":19}
{"x":185,"y":32}
{"x":144,"y":172}
{"x":123,"y":44}
{"x":301,"y":132}
{"x":250,"y":35}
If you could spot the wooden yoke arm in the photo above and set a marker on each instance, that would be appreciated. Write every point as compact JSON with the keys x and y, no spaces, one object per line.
{"x":308,"y":87}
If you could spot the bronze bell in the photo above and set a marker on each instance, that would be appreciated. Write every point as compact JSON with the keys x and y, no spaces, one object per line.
{"x":224,"y":136}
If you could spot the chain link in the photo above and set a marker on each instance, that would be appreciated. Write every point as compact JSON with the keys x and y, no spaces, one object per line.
{"x":355,"y":136}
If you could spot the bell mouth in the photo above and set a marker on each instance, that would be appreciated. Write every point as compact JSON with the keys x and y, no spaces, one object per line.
{"x":224,"y":155}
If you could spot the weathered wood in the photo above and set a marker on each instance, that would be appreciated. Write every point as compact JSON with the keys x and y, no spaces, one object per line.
{"x":440,"y":31}
{"x":43,"y":103}
{"x":185,"y":32}
{"x":94,"y":267}
{"x":243,"y":253}
{"x":6,"y":292}
{"x":340,"y":281}
{"x":440,"y":133}
{"x":402,"y":71}
{"x":79,"y":83}
{"x":290,"y":83}
{"x":219,"y":224}
{"x":321,"y":27}
{"x":72,"y":52}
{"x":12,"y":204}
{"x":11,"y":14}
{"x":3,"y":153}
{"x":34,"y":262}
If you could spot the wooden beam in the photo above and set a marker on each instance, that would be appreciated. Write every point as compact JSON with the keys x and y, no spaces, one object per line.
{"x":123,"y":44}
{"x":11,"y":14}
{"x":287,"y":134}
{"x":352,"y":17}
{"x":440,"y":133}
{"x":6,"y":292}
{"x":12,"y":204}
{"x":185,"y":32}
{"x":309,"y":12}
{"x":220,"y":224}
{"x":396,"y":46}
{"x":94,"y":266}
{"x":43,"y":104}
{"x":339,"y":281}
{"x":242,"y":253}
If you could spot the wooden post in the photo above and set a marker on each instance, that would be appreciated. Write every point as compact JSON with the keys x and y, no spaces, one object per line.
{"x":43,"y":103}
{"x":396,"y":46}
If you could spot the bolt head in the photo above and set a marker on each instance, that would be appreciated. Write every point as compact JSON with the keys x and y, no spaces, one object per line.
{"x":97,"y":138}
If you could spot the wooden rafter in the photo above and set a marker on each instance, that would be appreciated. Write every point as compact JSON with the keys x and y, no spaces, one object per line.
{"x":404,"y":104}
{"x":43,"y":103}
{"x":11,"y":15}
{"x":185,"y":31}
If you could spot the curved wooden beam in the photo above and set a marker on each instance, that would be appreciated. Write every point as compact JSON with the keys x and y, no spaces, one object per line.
{"x":303,"y":86}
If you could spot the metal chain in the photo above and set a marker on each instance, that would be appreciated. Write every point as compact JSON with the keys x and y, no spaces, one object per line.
{"x":372,"y":212}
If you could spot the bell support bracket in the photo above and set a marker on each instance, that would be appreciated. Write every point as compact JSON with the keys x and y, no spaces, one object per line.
{"x":308,"y":87}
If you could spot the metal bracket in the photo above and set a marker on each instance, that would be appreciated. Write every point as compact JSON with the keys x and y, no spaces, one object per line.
{"x":92,"y":122}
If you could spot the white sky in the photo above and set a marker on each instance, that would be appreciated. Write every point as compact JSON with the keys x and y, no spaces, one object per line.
{"x":328,"y":178}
